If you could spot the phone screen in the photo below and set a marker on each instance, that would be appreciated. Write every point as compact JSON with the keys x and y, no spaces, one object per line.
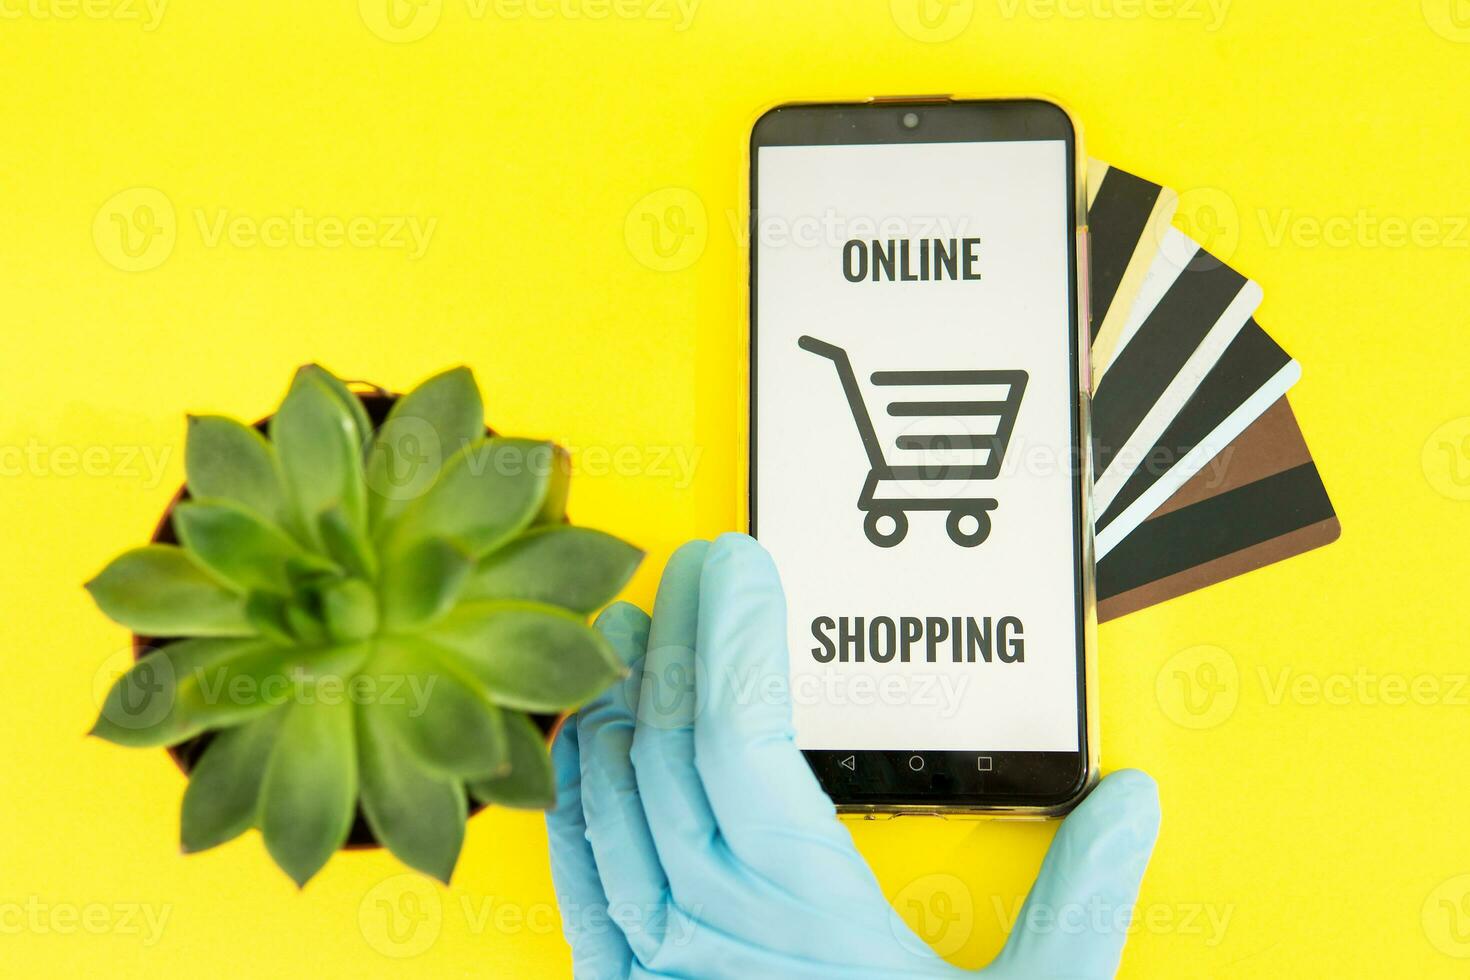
{"x":915,"y":434}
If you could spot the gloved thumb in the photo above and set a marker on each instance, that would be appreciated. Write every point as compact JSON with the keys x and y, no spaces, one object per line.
{"x":1076,"y":919}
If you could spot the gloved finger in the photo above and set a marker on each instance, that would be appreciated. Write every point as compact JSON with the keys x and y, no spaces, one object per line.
{"x":616,"y":826}
{"x":770,"y":808}
{"x":663,"y":744}
{"x":597,"y":949}
{"x":1075,"y":921}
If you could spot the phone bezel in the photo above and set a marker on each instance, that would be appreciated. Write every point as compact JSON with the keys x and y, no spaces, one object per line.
{"x":1023,"y":783}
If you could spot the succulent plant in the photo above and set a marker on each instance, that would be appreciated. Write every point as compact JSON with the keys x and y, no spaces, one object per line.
{"x":359,"y":621}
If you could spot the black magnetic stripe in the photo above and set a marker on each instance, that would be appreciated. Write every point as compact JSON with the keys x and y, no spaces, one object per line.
{"x":1155,"y":356}
{"x":1247,"y":364}
{"x":1116,"y":221}
{"x":1217,"y":526}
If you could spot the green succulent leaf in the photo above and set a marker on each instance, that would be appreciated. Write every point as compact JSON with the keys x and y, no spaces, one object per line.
{"x":350,"y":610}
{"x":238,"y":546}
{"x":158,"y":590}
{"x":239,"y":688}
{"x":224,"y":786}
{"x":578,"y":568}
{"x":558,"y":486}
{"x":441,"y":712}
{"x":320,"y":448}
{"x":267,"y":614}
{"x":425,"y":427}
{"x":417,"y":814}
{"x":529,"y":656}
{"x":488,"y":493}
{"x":309,"y":793}
{"x":152,"y":703}
{"x":365,"y":618}
{"x":227,"y":460}
{"x":347,"y":543}
{"x":236,"y":689}
{"x":423,"y":583}
{"x":304,"y":618}
{"x":530,"y":784}
{"x":362,"y":425}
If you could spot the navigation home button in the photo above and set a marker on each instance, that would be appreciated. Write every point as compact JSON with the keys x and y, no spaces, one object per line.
{"x":983,"y":763}
{"x":850,"y":763}
{"x":916,"y":763}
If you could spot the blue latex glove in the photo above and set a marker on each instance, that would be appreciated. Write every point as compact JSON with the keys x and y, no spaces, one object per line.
{"x":690,"y":838}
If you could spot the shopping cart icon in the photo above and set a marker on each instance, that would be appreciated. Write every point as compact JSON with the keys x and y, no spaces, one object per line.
{"x":893,"y":488}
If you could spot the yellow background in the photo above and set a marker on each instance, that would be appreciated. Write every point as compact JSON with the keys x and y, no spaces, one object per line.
{"x":1327,"y":835}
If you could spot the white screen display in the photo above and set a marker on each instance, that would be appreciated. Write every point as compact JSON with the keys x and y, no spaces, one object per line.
{"x":914,"y":384}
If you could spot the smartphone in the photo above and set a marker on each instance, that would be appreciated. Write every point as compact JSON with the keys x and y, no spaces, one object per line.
{"x":918,"y":440}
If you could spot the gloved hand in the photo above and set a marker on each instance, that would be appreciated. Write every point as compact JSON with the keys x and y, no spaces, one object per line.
{"x":690,"y":839}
